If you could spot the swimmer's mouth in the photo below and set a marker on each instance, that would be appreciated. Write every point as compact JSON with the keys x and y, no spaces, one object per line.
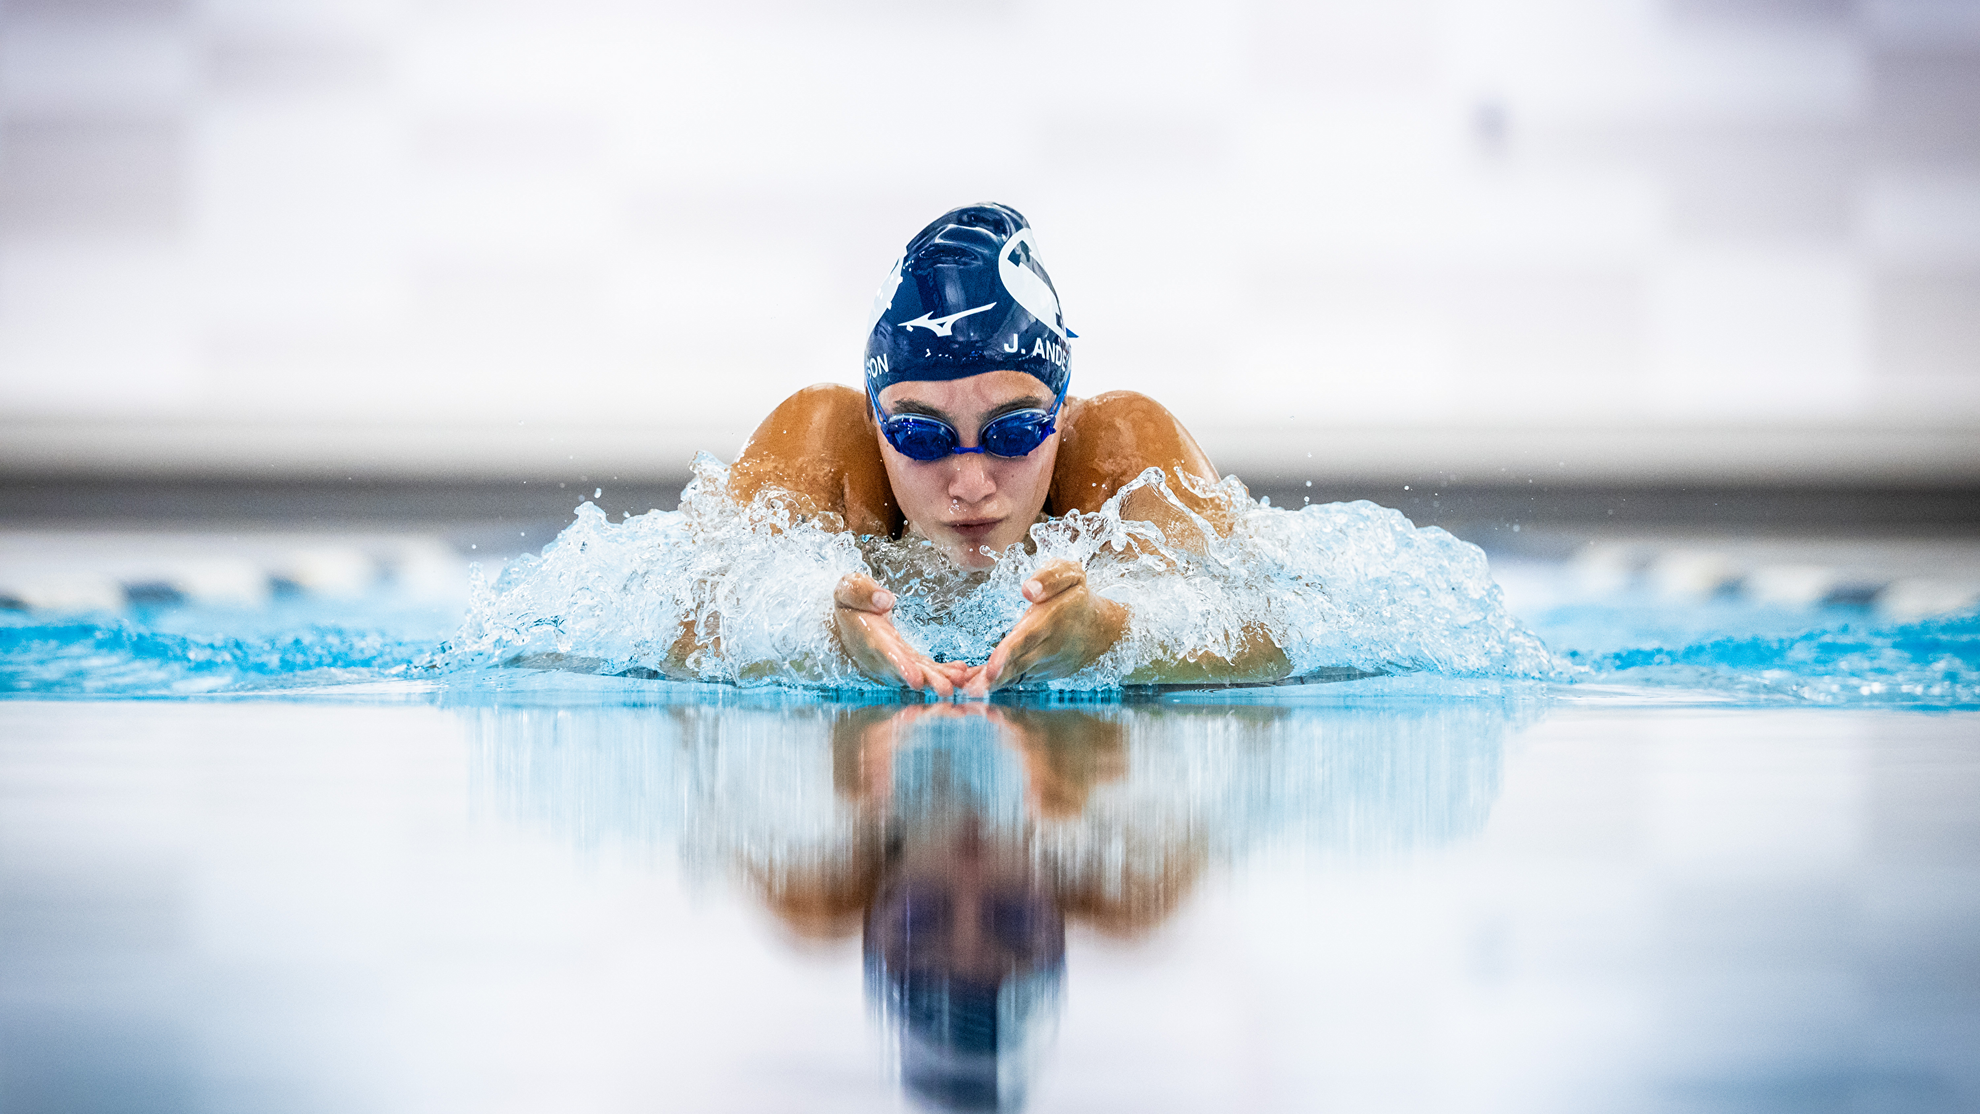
{"x":975,"y":525}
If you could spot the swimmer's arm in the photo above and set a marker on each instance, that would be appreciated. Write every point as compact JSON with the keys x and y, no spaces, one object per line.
{"x":1258,"y":657}
{"x":820,"y":449}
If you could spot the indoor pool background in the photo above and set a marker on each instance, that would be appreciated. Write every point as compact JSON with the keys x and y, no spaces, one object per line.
{"x":252,"y":857}
{"x":1673,"y":306}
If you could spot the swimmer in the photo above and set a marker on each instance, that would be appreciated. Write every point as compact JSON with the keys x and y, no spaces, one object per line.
{"x":965,"y":435}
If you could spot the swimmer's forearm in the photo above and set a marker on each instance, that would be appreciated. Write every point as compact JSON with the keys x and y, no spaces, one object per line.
{"x":1257,"y":658}
{"x":687,"y":645}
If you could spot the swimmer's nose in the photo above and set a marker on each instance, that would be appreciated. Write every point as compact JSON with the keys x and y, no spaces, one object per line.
{"x":970,"y":482}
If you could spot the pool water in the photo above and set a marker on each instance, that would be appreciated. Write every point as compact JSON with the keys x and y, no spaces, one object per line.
{"x":1354,"y":593}
{"x":583,"y":894}
{"x":270,"y":851}
{"x":1732,"y":655}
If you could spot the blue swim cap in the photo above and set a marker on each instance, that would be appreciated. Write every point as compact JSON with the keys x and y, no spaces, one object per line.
{"x":968,"y":296}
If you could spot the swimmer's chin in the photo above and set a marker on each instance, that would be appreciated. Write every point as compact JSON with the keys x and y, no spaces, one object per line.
{"x":970,"y":544}
{"x":964,"y":554}
{"x":976,"y":560}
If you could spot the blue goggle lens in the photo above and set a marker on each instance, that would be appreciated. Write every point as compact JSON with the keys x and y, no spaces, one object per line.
{"x":920,"y":438}
{"x":925,"y":439}
{"x":1016,"y":434}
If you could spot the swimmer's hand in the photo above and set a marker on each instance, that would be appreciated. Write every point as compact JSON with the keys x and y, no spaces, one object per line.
{"x":859,"y":615}
{"x":1066,"y":628}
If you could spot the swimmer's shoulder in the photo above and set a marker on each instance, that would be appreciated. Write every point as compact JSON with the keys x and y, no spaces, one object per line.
{"x":1111,"y":438}
{"x":819,"y":445}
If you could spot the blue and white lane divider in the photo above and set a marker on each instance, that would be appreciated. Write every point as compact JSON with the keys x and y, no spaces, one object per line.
{"x":1900,"y":581}
{"x":70,"y":572}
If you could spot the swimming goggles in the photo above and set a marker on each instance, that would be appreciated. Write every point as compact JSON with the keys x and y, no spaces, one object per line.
{"x":919,"y":437}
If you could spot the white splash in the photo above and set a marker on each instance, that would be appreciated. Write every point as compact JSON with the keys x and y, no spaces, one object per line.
{"x":717,"y":592}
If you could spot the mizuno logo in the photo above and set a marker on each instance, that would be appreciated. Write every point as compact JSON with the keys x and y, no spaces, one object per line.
{"x":940,"y":326}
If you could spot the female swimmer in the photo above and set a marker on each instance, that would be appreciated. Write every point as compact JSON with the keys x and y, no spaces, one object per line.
{"x":965,"y":436}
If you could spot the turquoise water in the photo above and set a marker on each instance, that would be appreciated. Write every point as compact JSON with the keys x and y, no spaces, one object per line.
{"x":1362,"y":600}
{"x":1842,"y":657}
{"x":1759,"y":655}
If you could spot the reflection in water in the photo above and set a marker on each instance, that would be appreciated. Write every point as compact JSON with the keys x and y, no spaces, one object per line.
{"x":965,"y":939}
{"x":959,"y":841}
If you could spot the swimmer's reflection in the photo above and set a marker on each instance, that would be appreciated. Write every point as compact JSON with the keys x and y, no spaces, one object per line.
{"x":872,"y":821}
{"x":965,"y":954}
{"x":964,"y":930}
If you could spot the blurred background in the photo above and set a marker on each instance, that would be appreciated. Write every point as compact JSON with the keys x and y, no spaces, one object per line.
{"x":1491,"y":261}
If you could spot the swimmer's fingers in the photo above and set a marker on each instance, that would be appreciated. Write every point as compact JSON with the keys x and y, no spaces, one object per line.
{"x":915,"y":669}
{"x":862,"y":641}
{"x":899,"y":662}
{"x":880,"y":652}
{"x":1009,"y":661}
{"x":918,"y":671}
{"x":1055,"y":638}
{"x":989,"y":675}
{"x":863,"y":593}
{"x":1052,"y":578}
{"x":957,"y":672}
{"x":933,"y":676}
{"x":966,"y":684}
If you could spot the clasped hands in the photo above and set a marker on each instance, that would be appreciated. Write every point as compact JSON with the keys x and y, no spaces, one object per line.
{"x":1066,"y":628}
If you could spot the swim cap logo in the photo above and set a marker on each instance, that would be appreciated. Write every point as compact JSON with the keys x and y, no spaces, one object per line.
{"x":1015,"y":269}
{"x":883,"y":299}
{"x":940,"y":326}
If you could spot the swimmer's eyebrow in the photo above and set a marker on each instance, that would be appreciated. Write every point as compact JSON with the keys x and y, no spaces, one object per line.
{"x":910,"y":406}
{"x":1016,"y":404}
{"x":1027,"y":402}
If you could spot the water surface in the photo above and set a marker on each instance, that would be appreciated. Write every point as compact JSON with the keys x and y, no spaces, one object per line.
{"x":578,"y":893}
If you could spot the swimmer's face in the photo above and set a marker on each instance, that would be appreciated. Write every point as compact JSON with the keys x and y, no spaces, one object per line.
{"x":970,"y":502}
